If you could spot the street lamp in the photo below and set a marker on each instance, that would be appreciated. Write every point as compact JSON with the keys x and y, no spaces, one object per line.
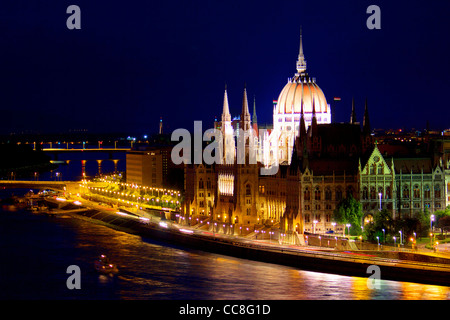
{"x":394,"y":240}
{"x":348,"y":225}
{"x":384,"y":235}
{"x":314,"y":224}
{"x":400,"y":237}
{"x":378,"y":240}
{"x":431,"y":222}
{"x":379,"y":195}
{"x":334,"y":226}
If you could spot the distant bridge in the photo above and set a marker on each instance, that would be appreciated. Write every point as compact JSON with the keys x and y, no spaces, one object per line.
{"x":58,"y":185}
{"x":99,"y":155}
{"x":58,"y":150}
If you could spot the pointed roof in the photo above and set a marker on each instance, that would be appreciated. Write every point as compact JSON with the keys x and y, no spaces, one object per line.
{"x":254,"y":117}
{"x":245,"y":110}
{"x":314,"y":120}
{"x":302,"y":132}
{"x":353,"y":115}
{"x":245,"y":113}
{"x":301,"y":62}
{"x":226,"y":116}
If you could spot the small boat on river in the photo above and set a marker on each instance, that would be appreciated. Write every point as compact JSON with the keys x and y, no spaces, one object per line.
{"x":104,"y":266}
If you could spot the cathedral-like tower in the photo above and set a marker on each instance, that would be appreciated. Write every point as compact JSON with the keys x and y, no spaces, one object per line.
{"x":227,"y":132}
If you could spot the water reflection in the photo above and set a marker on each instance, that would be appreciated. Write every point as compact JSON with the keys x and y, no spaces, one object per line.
{"x":154,"y":270}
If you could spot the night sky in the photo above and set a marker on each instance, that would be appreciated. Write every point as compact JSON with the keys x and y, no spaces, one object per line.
{"x":133,"y":62}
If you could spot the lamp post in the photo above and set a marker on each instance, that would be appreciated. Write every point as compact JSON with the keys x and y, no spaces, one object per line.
{"x":378,"y":240}
{"x":400,"y":237}
{"x":348,"y":225}
{"x":394,"y":240}
{"x":314,"y":224}
{"x":431,"y":222}
{"x":384,"y":235}
{"x":379,"y":195}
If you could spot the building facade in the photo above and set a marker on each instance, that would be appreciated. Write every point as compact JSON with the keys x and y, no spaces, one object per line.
{"x":145,"y":168}
{"x":319,"y":164}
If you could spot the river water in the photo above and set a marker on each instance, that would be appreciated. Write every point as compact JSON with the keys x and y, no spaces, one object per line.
{"x":36,"y":251}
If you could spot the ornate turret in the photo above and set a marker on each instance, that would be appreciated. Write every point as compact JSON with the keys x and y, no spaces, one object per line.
{"x":245,"y":114}
{"x":254,"y":117}
{"x":227,"y":132}
{"x":226,"y":116}
{"x":353,"y":115}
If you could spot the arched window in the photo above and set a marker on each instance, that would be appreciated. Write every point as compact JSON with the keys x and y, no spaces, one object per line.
{"x":388,"y":193}
{"x":248,"y":190}
{"x":380,"y":190}
{"x":427,"y":192}
{"x":317,"y":193}
{"x":350,"y":191}
{"x":327,"y":193}
{"x":380,"y":169}
{"x":373,"y":193}
{"x":416,"y":191}
{"x":437,"y":191}
{"x":338,"y":194}
{"x":405,"y":192}
{"x":307,"y":194}
{"x":365,"y":193}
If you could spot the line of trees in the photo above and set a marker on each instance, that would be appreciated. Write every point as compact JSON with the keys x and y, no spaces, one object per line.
{"x":349,"y":211}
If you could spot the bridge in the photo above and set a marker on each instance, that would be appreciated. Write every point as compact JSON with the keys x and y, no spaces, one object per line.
{"x":83,"y":155}
{"x":58,"y":150}
{"x":56,"y":185}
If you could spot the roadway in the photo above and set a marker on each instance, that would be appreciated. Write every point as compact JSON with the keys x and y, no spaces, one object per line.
{"x":274,"y":246}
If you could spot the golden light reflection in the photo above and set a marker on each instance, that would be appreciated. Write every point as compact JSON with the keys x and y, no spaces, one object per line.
{"x":415,"y":291}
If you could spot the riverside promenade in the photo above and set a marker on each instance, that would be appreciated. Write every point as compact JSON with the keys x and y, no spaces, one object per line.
{"x":428,"y":269}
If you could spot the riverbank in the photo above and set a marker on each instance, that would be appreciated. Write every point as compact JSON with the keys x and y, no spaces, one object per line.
{"x":343,"y":263}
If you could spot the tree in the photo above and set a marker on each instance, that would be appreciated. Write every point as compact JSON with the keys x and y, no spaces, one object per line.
{"x":381,"y":220}
{"x":443,"y":218}
{"x":349,"y":211}
{"x":423,"y":226}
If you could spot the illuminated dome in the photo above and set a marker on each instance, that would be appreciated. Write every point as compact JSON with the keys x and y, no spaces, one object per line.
{"x":301,"y":93}
{"x":301,"y":90}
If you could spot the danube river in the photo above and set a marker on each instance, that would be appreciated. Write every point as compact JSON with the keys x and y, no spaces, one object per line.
{"x":36,"y":250}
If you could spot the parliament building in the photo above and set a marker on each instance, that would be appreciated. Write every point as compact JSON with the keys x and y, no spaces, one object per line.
{"x":319,"y":163}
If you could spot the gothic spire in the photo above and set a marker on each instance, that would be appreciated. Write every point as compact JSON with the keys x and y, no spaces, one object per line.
{"x":302,"y":132}
{"x":301,"y":62}
{"x":245,"y":114}
{"x":314,"y":120}
{"x":254,"y":117}
{"x":353,"y":115}
{"x":226,"y":116}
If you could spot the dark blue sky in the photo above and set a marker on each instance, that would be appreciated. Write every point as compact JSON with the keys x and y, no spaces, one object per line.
{"x":136,"y":61}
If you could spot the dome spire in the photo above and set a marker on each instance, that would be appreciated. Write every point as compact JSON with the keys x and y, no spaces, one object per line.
{"x":301,"y":62}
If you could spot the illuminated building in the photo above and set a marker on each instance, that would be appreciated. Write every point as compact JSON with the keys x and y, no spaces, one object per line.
{"x":145,"y":168}
{"x":320,"y":164}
